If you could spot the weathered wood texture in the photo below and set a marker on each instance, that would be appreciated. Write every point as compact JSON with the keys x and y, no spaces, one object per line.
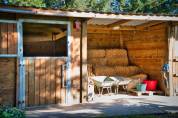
{"x":43,"y":81}
{"x":173,"y":50}
{"x":8,"y":38}
{"x":147,"y":49}
{"x":75,"y":64}
{"x":8,"y":81}
{"x":84,"y":76}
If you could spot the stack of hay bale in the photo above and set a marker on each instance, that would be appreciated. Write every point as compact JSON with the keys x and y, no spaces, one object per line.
{"x":114,"y":62}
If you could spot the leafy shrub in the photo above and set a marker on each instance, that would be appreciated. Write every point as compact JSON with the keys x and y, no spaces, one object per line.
{"x":11,"y":112}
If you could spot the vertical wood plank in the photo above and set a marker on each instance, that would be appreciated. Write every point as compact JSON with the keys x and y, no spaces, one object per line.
{"x":10,"y":43}
{"x":171,"y":41}
{"x":53,"y":81}
{"x":31,"y":83}
{"x":58,"y":80}
{"x":48,"y":94}
{"x":37,"y":81}
{"x":63,"y":84}
{"x":76,"y":66}
{"x":42,"y":82}
{"x":27,"y":82}
{"x":17,"y":82}
{"x":15,"y":38}
{"x":4,"y":37}
{"x":84,"y":78}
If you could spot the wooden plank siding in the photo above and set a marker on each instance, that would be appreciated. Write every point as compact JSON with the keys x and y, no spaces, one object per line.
{"x":8,"y":66}
{"x":43,"y":78}
{"x":8,"y":81}
{"x":8,"y":38}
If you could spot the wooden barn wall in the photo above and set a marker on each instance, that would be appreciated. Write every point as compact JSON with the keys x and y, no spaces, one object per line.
{"x":103,"y":39}
{"x":8,"y":38}
{"x":8,"y":81}
{"x":8,"y":45}
{"x":149,"y":50}
{"x":146,"y":48}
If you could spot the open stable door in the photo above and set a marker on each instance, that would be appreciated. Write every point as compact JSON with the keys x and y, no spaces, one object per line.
{"x":45,"y":58}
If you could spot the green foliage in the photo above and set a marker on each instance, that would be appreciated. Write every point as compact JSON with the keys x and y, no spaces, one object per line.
{"x":34,"y":3}
{"x":148,"y":6}
{"x":99,"y":5}
{"x":11,"y":112}
{"x":134,"y":6}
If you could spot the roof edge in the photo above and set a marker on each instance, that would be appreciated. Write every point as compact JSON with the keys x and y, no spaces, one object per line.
{"x":82,"y":14}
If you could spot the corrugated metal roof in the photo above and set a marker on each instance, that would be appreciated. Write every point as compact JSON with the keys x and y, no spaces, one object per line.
{"x":134,"y":23}
{"x":86,"y":14}
{"x":96,"y":21}
{"x":101,"y":22}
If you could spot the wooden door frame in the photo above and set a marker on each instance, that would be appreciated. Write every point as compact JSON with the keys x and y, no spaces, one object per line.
{"x":21,"y":91}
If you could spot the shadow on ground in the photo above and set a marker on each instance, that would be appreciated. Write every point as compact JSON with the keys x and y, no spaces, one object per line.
{"x":107,"y":106}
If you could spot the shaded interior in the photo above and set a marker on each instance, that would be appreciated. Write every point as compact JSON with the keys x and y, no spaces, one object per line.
{"x":141,"y":44}
{"x":44,"y":40}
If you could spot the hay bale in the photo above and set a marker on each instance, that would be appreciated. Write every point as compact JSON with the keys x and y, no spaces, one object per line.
{"x":104,"y":71}
{"x":116,"y":53}
{"x":127,"y":70}
{"x":97,"y":61}
{"x":96,"y":53}
{"x":136,"y":79}
{"x":120,"y":70}
{"x":132,"y":70}
{"x":117,"y":61}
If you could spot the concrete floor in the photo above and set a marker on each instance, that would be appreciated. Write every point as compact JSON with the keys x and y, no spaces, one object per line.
{"x":109,"y":106}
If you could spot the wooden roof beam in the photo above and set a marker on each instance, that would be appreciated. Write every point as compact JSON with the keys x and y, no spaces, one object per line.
{"x":148,"y":24}
{"x":61,"y":35}
{"x":102,"y":27}
{"x":118,"y":23}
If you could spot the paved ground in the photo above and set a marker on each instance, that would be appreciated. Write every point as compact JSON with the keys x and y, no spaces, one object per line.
{"x":109,"y":106}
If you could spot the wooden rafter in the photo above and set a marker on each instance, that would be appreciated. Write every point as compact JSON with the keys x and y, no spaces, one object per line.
{"x":42,"y":27}
{"x":148,"y":24}
{"x":118,"y":23}
{"x":98,"y":27}
{"x":61,"y":35}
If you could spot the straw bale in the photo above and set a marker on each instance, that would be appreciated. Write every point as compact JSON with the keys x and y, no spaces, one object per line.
{"x":104,"y":71}
{"x":97,"y":61}
{"x":96,"y":53}
{"x":127,"y":70}
{"x":139,"y":76}
{"x":120,"y":61}
{"x":116,"y":53}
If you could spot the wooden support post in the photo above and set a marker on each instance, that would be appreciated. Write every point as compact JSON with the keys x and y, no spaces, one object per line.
{"x":68,"y":66}
{"x":84,"y":77}
{"x":170,"y":45}
{"x":21,"y":67}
